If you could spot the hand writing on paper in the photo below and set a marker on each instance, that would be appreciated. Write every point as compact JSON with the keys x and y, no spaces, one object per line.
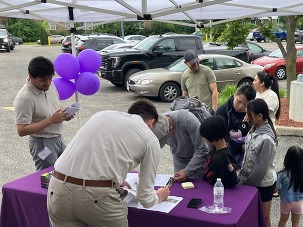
{"x":180,"y":176}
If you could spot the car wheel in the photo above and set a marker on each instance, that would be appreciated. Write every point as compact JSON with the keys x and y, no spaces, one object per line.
{"x":245,"y":81}
{"x":301,"y":41}
{"x":281,"y":73}
{"x":266,"y":39}
{"x":258,"y":40}
{"x":129,"y":73}
{"x":169,"y":91}
{"x":8,"y":49}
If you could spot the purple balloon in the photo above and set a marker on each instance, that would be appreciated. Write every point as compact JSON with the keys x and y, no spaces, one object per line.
{"x":67,"y":66}
{"x":89,"y":60}
{"x":65,"y":88}
{"x":87,"y":83}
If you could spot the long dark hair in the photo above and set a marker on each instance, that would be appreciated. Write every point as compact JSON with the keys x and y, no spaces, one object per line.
{"x":259,"y":106}
{"x":293,"y":165}
{"x":272,"y":83}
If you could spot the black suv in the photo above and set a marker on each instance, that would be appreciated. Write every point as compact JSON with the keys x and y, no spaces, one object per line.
{"x":153,"y":52}
{"x":6,"y":41}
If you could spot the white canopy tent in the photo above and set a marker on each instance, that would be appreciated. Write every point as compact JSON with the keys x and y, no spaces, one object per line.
{"x":67,"y":12}
{"x":106,"y":11}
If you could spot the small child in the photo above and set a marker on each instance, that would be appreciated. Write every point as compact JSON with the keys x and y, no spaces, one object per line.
{"x":220,"y":160}
{"x":290,"y":186}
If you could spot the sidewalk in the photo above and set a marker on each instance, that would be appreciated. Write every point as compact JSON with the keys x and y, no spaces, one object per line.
{"x":289,"y":131}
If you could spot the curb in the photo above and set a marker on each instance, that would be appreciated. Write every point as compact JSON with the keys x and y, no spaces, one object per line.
{"x":289,"y":131}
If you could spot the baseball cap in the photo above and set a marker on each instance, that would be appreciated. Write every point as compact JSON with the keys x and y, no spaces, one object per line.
{"x":191,"y":57}
{"x":161,"y":130}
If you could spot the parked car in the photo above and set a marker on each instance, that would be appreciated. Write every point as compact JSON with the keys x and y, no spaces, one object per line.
{"x":299,"y":36}
{"x":280,"y":34}
{"x":134,"y":38}
{"x":275,"y":65}
{"x":153,"y":52}
{"x":54,"y":39}
{"x":17,"y":40}
{"x":119,"y":46}
{"x":6,"y":41}
{"x":66,"y":45}
{"x":256,"y":51}
{"x":246,"y":52}
{"x":97,"y":43}
{"x":240,"y":52}
{"x":166,"y":82}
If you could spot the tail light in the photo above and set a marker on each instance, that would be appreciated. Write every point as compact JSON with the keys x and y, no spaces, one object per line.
{"x":81,"y":48}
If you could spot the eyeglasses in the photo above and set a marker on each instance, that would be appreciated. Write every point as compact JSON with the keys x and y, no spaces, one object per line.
{"x":240,"y":103}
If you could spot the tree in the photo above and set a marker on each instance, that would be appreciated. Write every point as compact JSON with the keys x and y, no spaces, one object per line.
{"x":290,"y":54}
{"x":232,"y":33}
{"x":26,"y":29}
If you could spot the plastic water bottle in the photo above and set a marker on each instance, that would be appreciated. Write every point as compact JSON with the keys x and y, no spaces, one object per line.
{"x":218,"y":195}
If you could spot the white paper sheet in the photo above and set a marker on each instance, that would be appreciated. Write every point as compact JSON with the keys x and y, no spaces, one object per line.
{"x":44,"y":153}
{"x":161,"y":180}
{"x":72,"y":109}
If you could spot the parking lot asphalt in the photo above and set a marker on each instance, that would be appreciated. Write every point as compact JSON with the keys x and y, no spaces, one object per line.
{"x":15,"y":160}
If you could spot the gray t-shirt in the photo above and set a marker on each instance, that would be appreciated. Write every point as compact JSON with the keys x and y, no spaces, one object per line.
{"x":33,"y":105}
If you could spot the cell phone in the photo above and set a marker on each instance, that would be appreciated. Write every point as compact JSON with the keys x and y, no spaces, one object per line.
{"x":194,"y":203}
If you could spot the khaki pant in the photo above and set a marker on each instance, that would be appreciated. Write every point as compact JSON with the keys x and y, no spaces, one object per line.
{"x":72,"y":205}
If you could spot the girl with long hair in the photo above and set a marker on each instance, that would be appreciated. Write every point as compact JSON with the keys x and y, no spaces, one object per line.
{"x":258,"y":167}
{"x":290,"y":185}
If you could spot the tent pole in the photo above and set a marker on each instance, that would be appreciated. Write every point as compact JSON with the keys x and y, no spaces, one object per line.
{"x":72,"y":35}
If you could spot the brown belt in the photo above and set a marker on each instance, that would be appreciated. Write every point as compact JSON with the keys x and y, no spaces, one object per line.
{"x":77,"y":181}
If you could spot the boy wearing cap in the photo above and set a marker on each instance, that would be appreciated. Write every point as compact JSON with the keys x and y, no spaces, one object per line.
{"x":199,"y":80}
{"x":180,"y":130}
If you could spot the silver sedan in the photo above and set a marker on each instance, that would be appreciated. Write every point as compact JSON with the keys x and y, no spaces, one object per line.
{"x":166,"y":82}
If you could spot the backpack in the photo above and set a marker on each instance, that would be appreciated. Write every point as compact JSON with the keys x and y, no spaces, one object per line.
{"x":193,"y":104}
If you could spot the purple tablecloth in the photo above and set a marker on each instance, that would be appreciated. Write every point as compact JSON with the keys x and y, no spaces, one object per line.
{"x":24,"y":205}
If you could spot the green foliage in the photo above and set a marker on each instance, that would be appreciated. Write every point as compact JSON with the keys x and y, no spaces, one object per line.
{"x":215,"y":31}
{"x":234,"y":34}
{"x":282,"y":93}
{"x":28,"y":30}
{"x":226,"y":93}
{"x":43,"y":36}
{"x":142,"y":28}
{"x":266,"y":28}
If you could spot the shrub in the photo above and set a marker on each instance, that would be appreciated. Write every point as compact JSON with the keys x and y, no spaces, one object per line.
{"x":231,"y":89}
{"x":226,"y":92}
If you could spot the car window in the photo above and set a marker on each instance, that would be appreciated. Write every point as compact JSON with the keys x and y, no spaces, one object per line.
{"x":167,"y":44}
{"x":187,"y":44}
{"x":300,"y":53}
{"x":146,"y":43}
{"x":225,"y":63}
{"x":208,"y":62}
{"x":276,"y":54}
{"x":254,"y":47}
{"x":116,"y":41}
{"x":102,"y":43}
{"x":177,"y":66}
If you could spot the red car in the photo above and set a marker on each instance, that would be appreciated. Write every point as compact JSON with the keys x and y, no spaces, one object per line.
{"x":275,"y":65}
